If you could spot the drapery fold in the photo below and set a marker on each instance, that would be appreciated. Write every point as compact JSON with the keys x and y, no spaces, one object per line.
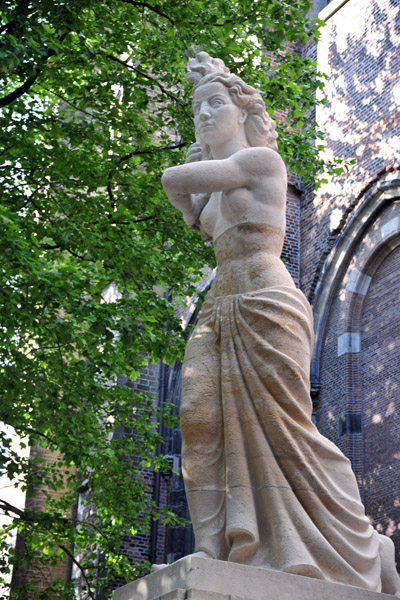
{"x":264,"y":487}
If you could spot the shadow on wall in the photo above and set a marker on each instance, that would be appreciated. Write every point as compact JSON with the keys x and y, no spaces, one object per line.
{"x":380,"y":383}
{"x":359,"y":351}
{"x":360,"y":52}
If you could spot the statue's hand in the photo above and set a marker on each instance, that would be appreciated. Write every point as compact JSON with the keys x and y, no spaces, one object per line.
{"x":194,"y":154}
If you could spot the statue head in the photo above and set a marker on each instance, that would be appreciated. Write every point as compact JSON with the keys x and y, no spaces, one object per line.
{"x":259,"y":127}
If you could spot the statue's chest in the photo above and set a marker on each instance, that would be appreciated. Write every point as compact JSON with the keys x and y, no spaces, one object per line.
{"x":226,"y":209}
{"x":211,"y":213}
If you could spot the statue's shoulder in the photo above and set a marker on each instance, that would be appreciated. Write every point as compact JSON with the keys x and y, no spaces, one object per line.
{"x":260,"y":160}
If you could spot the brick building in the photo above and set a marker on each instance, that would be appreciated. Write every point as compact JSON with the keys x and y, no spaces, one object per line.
{"x":343,"y":250}
{"x":350,"y":251}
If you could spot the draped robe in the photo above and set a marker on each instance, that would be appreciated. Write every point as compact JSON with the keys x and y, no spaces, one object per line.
{"x":264,"y":487}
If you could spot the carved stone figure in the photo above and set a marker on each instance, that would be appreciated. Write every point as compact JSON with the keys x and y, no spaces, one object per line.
{"x":264,"y":487}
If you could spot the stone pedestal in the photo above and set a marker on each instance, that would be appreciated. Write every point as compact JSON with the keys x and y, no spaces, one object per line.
{"x":194,"y":578}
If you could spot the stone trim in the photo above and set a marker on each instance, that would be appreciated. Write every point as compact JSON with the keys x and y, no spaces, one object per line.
{"x":331,"y":8}
{"x":332,"y":273}
{"x":390,"y":228}
{"x":358,"y":282}
{"x":372,"y":233}
{"x":349,"y":342}
{"x":195,"y":578}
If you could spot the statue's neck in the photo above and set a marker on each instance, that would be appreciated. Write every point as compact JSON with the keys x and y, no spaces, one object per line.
{"x":221,"y":151}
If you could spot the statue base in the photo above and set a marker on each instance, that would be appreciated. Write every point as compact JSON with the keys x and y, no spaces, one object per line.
{"x":194,"y":578}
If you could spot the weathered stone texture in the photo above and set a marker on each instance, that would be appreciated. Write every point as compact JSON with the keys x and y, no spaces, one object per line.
{"x":195,"y":578}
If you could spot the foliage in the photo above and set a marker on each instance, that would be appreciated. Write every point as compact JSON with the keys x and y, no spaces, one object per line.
{"x":94,"y":107}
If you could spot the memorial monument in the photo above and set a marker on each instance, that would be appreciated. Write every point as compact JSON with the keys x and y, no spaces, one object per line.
{"x":265,"y":489}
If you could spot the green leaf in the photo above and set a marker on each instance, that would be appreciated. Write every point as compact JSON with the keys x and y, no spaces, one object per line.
{"x":89,"y":240}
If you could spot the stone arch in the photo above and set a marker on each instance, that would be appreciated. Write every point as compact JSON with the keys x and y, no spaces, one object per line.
{"x":333,"y":272}
{"x":370,"y":239}
{"x":380,"y":391}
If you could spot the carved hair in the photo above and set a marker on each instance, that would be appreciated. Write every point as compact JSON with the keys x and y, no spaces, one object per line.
{"x":259,"y":127}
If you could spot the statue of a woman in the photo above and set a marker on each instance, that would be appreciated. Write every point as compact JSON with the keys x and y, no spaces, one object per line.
{"x":264,"y":487}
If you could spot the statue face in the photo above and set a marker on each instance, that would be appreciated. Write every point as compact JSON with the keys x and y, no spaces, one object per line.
{"x":216,"y":117}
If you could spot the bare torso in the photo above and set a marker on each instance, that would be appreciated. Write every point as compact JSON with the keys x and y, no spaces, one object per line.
{"x":248,"y":258}
{"x":247,"y":228}
{"x":245,"y":219}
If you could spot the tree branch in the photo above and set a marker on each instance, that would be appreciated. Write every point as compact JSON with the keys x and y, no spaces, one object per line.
{"x":61,"y":360}
{"x":150,"y":7}
{"x":165,"y":16}
{"x":127,"y":157}
{"x":133,"y":222}
{"x":91,"y":115}
{"x":7,"y":507}
{"x":20,"y":91}
{"x":149,"y":151}
{"x":109,"y":189}
{"x":82,"y":570}
{"x":12,"y":96}
{"x":35,"y":431}
{"x":142,"y":74}
{"x":50,"y":246}
{"x":29,"y":198}
{"x":75,"y":254}
{"x":105,"y":265}
{"x":6,"y":150}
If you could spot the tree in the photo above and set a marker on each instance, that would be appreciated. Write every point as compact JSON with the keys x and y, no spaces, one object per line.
{"x":94,"y":107}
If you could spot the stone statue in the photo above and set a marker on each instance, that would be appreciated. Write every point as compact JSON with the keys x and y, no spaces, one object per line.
{"x":264,"y":487}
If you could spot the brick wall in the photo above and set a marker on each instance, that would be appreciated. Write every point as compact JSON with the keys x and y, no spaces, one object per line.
{"x":150,"y":545}
{"x":358,"y":332}
{"x":332,"y":383}
{"x":291,"y":247}
{"x":38,"y":575}
{"x":380,"y":377}
{"x":360,"y":52}
{"x":359,"y":381}
{"x":138,"y":548}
